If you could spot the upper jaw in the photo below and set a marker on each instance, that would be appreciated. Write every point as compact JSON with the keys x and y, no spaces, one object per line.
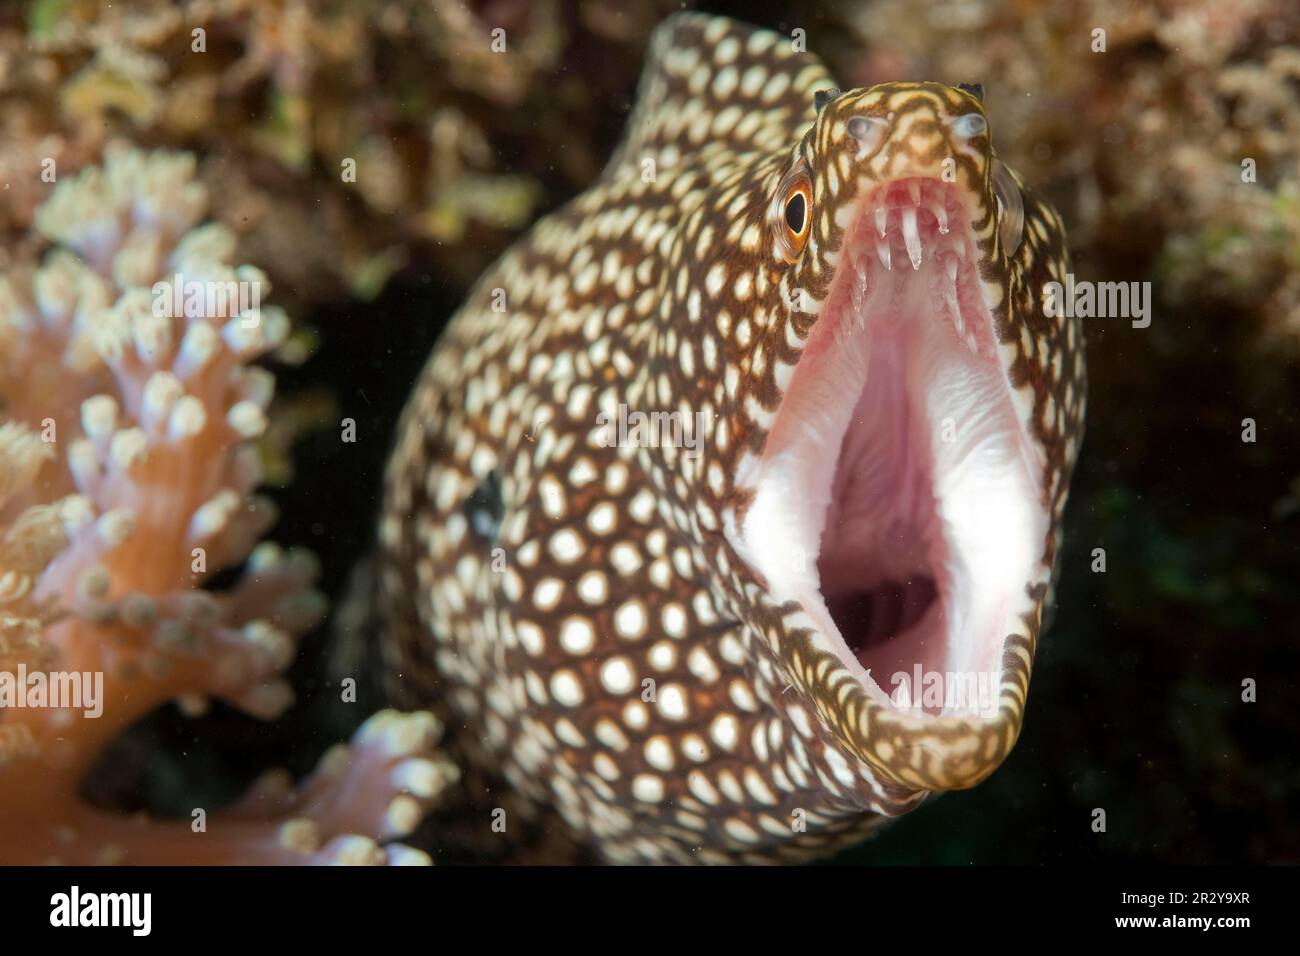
{"x":903,"y":336}
{"x":912,"y":225}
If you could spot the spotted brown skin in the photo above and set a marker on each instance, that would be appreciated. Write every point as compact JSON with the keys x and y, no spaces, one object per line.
{"x":580,"y":611}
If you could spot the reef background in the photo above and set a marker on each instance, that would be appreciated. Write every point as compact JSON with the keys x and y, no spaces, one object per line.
{"x":1136,"y":702}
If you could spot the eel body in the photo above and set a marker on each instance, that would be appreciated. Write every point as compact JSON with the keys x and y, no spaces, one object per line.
{"x":721,"y":523}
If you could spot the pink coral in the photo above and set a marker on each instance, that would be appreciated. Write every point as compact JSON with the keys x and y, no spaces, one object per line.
{"x":128,"y":476}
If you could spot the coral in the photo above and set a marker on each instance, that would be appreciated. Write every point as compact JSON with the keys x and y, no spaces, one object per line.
{"x":128,"y":476}
{"x":446,"y":132}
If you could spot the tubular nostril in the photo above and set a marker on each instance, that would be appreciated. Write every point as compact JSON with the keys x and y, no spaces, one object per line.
{"x":869,"y":131}
{"x":822,"y":97}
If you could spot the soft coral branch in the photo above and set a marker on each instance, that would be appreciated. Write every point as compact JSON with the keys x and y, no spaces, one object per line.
{"x":128,"y":476}
{"x":373,"y":789}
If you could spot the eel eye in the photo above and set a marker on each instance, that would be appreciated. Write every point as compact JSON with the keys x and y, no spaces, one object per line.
{"x":969,"y":125}
{"x":793,"y":213}
{"x":796,"y":212}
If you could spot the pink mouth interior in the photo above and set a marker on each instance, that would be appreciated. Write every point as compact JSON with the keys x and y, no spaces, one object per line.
{"x":898,"y":458}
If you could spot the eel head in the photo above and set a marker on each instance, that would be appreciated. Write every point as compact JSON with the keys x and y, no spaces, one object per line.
{"x":904,"y":494}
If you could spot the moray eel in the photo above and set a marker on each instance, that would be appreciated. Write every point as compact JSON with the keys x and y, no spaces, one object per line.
{"x":810,"y":598}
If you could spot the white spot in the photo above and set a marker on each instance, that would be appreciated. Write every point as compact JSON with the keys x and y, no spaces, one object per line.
{"x":663,"y":656}
{"x":602,"y":518}
{"x":577,"y":635}
{"x":593,"y":588}
{"x":616,"y":478}
{"x":715,"y":280}
{"x":648,"y":788}
{"x":740,"y":830}
{"x":724,"y":84}
{"x":673,"y":618}
{"x":799,"y":717}
{"x":616,"y":676}
{"x":635,"y":715}
{"x":531,"y":637}
{"x":744,"y":283}
{"x":607,"y":733}
{"x":625,"y":558}
{"x":672,"y":702}
{"x":702,"y":666}
{"x":630,"y":620}
{"x":566,"y":731}
{"x":776,"y":87}
{"x":605,"y":766}
{"x":702,"y":789}
{"x":547,"y":593}
{"x":582,"y":473}
{"x":642,"y":506}
{"x":551,"y":493}
{"x":659,"y":753}
{"x":565,"y":688}
{"x":742,"y":696}
{"x":566,"y":546}
{"x":694,"y":747}
{"x":725,"y":731}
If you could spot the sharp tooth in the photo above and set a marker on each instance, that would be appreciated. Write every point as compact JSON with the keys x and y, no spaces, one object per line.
{"x":880,"y":221}
{"x":951,"y":263}
{"x":882,"y":250}
{"x":941,"y":214}
{"x":954,"y":307}
{"x":914,"y":190}
{"x":911,"y":238}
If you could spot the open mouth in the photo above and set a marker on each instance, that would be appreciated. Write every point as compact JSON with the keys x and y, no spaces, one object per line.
{"x":897,"y":498}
